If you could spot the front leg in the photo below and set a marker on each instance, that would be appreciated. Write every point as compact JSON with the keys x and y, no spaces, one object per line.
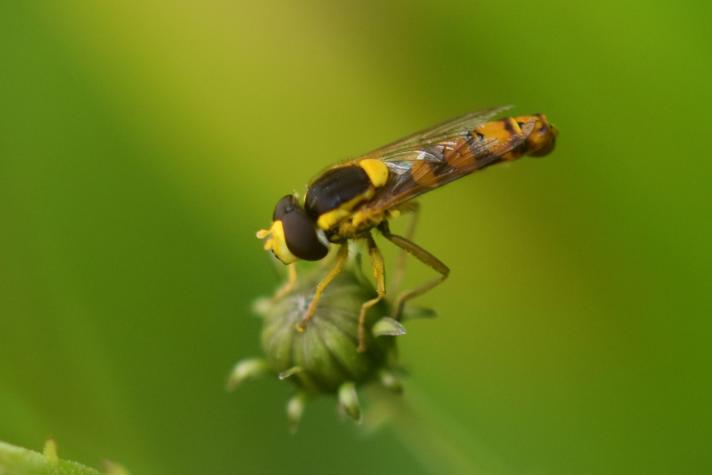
{"x":289,"y":285}
{"x":341,"y":259}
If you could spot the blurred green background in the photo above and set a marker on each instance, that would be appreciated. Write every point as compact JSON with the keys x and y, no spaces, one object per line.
{"x":143,"y":143}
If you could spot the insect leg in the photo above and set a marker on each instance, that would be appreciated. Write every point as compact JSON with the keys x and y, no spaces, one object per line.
{"x":287,"y":286}
{"x":423,"y":256}
{"x":379,"y":273}
{"x":341,"y":258}
{"x":414,"y":208}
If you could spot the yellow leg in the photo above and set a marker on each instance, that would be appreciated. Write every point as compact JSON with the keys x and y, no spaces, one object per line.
{"x":289,"y":285}
{"x":423,"y":256}
{"x":397,"y":276}
{"x":379,"y":273}
{"x":341,"y":258}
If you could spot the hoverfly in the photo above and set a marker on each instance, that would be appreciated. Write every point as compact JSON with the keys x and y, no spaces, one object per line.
{"x":351,"y":198}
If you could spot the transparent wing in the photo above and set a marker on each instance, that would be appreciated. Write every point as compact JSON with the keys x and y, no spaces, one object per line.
{"x":420,"y":142}
{"x":444,"y":132}
{"x":429,"y":165}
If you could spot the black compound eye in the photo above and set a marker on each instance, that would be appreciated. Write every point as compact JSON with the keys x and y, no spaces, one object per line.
{"x":284,"y":206}
{"x":299,"y":230}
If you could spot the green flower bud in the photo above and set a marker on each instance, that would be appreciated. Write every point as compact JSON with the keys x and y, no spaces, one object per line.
{"x":324,"y":356}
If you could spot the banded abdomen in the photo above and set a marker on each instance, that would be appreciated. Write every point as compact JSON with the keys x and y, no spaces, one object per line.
{"x":415,"y":172}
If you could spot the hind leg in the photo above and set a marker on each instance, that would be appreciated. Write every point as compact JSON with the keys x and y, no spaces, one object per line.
{"x":423,"y":256}
{"x":379,"y":273}
{"x":412,"y":207}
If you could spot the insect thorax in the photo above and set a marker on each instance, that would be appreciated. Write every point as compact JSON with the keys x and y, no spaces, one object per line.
{"x":334,"y":199}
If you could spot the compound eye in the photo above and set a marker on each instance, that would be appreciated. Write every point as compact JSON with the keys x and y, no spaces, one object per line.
{"x":284,"y":206}
{"x":299,"y":230}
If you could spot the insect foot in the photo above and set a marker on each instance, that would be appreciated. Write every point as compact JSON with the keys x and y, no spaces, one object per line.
{"x":323,"y":359}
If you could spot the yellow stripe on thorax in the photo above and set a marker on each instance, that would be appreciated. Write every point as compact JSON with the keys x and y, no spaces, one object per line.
{"x":376,"y":170}
{"x":330,"y":218}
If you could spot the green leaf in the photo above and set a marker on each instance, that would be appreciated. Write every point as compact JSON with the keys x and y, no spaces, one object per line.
{"x":18,"y":461}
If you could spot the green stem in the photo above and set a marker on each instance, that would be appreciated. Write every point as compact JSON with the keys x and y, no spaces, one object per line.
{"x":434,"y":438}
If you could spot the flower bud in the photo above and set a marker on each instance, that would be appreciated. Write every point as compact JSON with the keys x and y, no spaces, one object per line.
{"x":325,"y":355}
{"x":324,"y":358}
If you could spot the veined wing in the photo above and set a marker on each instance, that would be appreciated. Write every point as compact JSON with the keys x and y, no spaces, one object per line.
{"x":446,"y":131}
{"x":422,"y":166}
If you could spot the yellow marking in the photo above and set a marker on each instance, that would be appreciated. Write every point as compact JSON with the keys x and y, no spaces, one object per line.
{"x":497,"y":130}
{"x":372,"y":216}
{"x":360,"y":220}
{"x":529,"y":121}
{"x":330,"y":218}
{"x":276,"y":242}
{"x":513,"y":154}
{"x":360,"y":217}
{"x":515,"y":126}
{"x":376,"y":170}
